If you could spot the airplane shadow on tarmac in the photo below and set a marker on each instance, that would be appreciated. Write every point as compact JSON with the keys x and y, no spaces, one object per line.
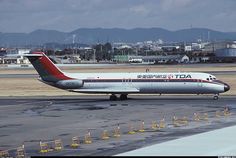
{"x":95,"y":99}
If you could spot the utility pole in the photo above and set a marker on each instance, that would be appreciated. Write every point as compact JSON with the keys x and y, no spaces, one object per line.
{"x":208,"y":36}
{"x":94,"y":55}
{"x":73,"y":42}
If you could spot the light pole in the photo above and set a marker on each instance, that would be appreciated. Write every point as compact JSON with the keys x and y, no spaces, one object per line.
{"x":94,"y":55}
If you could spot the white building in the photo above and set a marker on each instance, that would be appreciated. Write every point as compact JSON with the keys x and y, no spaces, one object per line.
{"x":187,"y":48}
{"x":14,"y":56}
{"x":18,"y":51}
{"x":196,"y":46}
{"x":159,"y":59}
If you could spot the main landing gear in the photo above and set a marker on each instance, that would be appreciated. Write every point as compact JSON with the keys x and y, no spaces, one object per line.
{"x":123,"y":97}
{"x":113,"y":97}
{"x":216,"y":97}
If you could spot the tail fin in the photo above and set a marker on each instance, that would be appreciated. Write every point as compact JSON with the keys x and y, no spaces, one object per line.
{"x":47,"y":70}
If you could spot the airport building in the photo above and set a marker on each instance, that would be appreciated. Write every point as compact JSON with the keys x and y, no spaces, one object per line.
{"x":200,"y":59}
{"x":224,"y":51}
{"x":14,"y":56}
{"x":159,"y":59}
{"x":66,"y":59}
{"x":2,"y":54}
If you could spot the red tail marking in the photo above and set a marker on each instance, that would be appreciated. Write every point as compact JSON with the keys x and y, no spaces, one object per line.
{"x":51,"y":68}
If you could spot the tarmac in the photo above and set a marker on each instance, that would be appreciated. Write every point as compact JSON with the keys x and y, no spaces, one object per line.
{"x":29,"y":120}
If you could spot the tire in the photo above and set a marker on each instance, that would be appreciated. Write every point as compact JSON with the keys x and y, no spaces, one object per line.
{"x":123,"y":97}
{"x":113,"y":98}
{"x":215,"y":97}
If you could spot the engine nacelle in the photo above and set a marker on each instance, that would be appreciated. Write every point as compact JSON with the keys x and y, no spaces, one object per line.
{"x":70,"y":84}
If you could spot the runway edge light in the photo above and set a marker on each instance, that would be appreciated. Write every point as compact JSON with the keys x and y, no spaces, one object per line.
{"x":75,"y":142}
{"x":155,"y":125}
{"x":141,"y":127}
{"x":105,"y":135}
{"x":162,"y":123}
{"x":131,"y":130}
{"x":43,"y":147}
{"x":87,"y":138}
{"x":175,"y":121}
{"x":196,"y":117}
{"x":58,"y":145}
{"x":20,"y":152}
{"x":117,"y":132}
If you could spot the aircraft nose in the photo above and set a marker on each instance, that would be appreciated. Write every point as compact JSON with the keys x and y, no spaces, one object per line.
{"x":226,"y":87}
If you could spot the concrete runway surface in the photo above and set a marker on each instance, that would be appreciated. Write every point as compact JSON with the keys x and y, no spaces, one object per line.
{"x":31,"y":119}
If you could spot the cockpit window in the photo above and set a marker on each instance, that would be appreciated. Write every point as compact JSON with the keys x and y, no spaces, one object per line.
{"x":211,"y":78}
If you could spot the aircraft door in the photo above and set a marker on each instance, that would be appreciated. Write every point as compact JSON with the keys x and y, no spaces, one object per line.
{"x":130,"y":81}
{"x":200,"y":83}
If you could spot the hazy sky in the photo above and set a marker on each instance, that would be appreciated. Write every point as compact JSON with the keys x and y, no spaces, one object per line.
{"x":68,"y":15}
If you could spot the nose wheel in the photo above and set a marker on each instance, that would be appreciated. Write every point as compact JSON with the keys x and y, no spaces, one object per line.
{"x":216,"y":97}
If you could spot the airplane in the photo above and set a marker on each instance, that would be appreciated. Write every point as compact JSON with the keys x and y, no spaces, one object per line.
{"x":126,"y":83}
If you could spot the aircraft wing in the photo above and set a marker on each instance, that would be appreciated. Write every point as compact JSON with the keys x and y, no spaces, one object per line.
{"x":108,"y":90}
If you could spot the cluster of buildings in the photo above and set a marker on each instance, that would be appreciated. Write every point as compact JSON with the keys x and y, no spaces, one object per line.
{"x":13,"y":55}
{"x":147,"y":52}
{"x":161,"y":53}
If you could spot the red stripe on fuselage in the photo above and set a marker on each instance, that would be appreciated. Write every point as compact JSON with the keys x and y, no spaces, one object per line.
{"x":51,"y":68}
{"x":133,"y":80}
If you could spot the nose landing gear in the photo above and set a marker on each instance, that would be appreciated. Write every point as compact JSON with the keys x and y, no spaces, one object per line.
{"x":216,"y":97}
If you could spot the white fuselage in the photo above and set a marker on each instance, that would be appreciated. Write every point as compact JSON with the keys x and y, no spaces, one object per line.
{"x":149,"y":82}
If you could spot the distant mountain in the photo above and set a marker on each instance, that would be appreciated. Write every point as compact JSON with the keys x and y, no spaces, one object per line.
{"x":102,"y":35}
